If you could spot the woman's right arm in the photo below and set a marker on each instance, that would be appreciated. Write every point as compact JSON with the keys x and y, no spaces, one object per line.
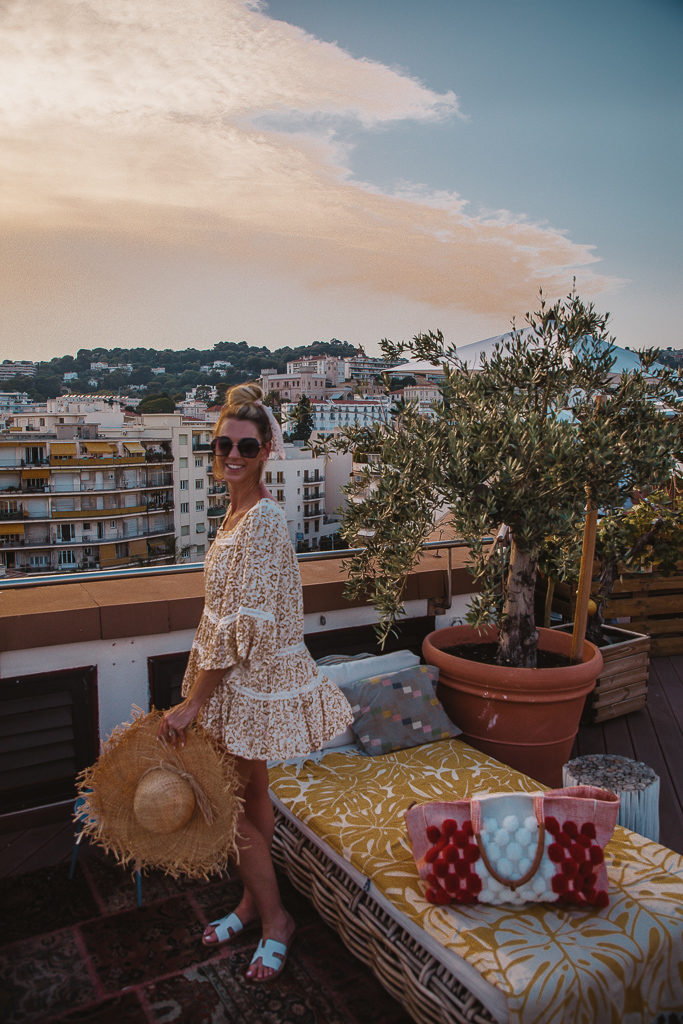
{"x":176,"y":720}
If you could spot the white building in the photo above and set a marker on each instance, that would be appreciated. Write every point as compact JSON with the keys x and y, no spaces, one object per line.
{"x":298,"y":483}
{"x":335,"y":412}
{"x":12,"y":368}
{"x":425,"y":394}
{"x":363,"y":367}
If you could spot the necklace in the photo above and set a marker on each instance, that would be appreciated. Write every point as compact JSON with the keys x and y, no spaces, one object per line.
{"x":233,"y":518}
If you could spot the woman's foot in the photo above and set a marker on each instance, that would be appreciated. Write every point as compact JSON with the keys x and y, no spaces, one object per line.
{"x":227,"y":928}
{"x":271,"y":952}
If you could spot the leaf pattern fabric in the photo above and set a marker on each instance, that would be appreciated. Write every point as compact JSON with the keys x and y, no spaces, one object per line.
{"x":555,"y":965}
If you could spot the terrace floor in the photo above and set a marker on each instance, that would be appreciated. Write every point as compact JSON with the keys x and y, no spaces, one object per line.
{"x":81,"y":950}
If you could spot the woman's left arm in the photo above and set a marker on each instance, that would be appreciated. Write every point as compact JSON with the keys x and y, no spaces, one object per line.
{"x":176,"y":720}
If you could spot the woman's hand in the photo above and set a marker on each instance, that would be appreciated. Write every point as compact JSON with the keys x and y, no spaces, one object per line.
{"x":175,"y":721}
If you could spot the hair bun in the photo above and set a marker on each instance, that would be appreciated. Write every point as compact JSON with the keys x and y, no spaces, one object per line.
{"x":243,"y":394}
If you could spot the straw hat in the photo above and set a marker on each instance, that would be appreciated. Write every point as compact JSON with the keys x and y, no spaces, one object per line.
{"x":160,"y":807}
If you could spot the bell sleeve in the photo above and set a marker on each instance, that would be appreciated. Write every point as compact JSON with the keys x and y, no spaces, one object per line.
{"x":244,"y":628}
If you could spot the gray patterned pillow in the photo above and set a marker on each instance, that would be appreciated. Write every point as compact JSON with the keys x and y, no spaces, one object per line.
{"x":398,"y":709}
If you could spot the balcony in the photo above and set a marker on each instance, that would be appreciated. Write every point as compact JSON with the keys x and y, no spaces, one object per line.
{"x":216,"y":511}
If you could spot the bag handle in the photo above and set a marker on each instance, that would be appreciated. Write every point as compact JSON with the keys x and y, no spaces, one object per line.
{"x":511,"y":883}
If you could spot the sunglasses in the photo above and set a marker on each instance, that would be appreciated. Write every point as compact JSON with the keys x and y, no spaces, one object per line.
{"x":248,"y":447}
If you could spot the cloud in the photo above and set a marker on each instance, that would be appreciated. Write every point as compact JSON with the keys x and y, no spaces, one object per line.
{"x":155,"y":119}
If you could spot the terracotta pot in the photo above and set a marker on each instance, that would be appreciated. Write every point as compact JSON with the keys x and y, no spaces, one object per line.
{"x":526,"y":717}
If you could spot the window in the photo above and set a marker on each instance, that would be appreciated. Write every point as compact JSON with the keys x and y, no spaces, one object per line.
{"x":317,"y":526}
{"x":199,"y":484}
{"x":86,"y":526}
{"x":182,"y":461}
{"x":122,"y":550}
{"x":40,"y":561}
{"x":280,"y":495}
{"x":269,"y":477}
{"x":66,"y":531}
{"x":184,"y":485}
{"x":200,"y":528}
{"x":199,"y":462}
{"x":280,"y":478}
{"x":199,"y":506}
{"x":184,"y":531}
{"x":201,"y":548}
{"x":182,"y":438}
{"x":66,"y":558}
{"x":184,"y":506}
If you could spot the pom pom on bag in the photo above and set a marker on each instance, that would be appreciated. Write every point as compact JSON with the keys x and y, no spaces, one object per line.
{"x":516,"y":847}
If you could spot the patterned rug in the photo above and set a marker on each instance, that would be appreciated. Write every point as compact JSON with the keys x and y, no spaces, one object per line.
{"x":81,"y":950}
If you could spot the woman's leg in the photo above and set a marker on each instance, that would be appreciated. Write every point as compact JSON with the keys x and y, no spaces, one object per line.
{"x":255,"y":833}
{"x":259,"y":811}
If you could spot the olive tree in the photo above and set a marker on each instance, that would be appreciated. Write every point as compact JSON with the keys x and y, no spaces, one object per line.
{"x":526,"y":438}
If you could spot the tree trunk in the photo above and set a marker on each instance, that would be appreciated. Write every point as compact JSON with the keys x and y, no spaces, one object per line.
{"x":518,"y":634}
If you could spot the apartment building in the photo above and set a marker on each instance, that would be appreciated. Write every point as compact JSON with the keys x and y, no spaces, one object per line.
{"x":291,"y":386}
{"x":23,"y":367}
{"x":330,"y":367}
{"x":363,"y":367}
{"x":424,"y":393}
{"x":298,"y":484}
{"x":197,"y":498}
{"x":71,"y":499}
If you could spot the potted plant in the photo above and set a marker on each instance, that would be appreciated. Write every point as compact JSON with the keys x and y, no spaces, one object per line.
{"x":646,"y":537}
{"x":528,"y":437}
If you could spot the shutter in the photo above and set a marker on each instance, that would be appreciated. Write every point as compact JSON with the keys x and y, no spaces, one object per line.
{"x":165,"y":674}
{"x":48,"y":733}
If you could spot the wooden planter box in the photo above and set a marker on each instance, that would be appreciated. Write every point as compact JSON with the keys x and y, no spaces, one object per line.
{"x":645,"y":602}
{"x":654,"y":605}
{"x":622,"y":685}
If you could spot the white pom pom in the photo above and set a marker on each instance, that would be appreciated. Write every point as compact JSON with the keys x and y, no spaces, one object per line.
{"x":510,"y":822}
{"x":514,"y":851}
{"x":502,"y":837}
{"x":524,"y":865}
{"x":490,"y":825}
{"x":504,"y":867}
{"x":531,"y":823}
{"x":524,"y":837}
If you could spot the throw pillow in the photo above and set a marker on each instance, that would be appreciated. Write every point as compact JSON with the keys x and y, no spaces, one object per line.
{"x":399,"y":709}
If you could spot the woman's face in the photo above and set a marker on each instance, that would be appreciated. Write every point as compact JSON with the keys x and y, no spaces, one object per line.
{"x":236,"y":467}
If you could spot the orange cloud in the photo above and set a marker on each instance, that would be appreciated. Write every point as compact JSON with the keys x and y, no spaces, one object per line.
{"x":145,"y":119}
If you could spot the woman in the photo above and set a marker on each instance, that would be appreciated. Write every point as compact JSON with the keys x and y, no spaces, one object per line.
{"x":250,"y":680}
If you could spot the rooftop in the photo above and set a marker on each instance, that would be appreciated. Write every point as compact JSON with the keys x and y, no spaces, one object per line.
{"x":80,"y":949}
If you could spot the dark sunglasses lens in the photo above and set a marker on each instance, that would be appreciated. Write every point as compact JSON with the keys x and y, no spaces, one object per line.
{"x":248,"y":447}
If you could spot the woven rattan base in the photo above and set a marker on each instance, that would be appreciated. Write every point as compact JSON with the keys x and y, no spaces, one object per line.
{"x":427,"y":990}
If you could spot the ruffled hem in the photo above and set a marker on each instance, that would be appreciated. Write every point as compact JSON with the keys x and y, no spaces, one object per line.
{"x":267,"y":727}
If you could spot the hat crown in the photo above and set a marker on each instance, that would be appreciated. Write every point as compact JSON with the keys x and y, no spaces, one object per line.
{"x":164,"y":801}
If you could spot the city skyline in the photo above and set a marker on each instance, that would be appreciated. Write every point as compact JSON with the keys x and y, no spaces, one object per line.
{"x":300,"y":170}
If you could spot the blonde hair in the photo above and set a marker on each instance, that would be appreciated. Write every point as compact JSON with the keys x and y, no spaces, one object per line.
{"x":243,"y":402}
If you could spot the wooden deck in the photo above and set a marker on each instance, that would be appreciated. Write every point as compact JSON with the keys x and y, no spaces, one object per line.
{"x":653,"y":735}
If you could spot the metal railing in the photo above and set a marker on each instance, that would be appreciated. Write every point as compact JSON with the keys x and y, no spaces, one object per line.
{"x":175,"y":568}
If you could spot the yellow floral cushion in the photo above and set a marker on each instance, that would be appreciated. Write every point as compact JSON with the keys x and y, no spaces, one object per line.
{"x":554,"y":964}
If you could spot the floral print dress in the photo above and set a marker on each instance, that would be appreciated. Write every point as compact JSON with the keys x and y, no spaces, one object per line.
{"x":273,"y":702}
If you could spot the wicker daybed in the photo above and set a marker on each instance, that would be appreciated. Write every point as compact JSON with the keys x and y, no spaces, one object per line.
{"x":340,"y":836}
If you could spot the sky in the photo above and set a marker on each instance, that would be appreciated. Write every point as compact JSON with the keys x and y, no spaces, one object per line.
{"x":176,"y":173}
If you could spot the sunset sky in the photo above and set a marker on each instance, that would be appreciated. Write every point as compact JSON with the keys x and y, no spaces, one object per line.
{"x":181,"y":172}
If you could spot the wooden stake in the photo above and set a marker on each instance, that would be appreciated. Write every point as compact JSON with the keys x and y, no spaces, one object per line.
{"x":585,"y":578}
